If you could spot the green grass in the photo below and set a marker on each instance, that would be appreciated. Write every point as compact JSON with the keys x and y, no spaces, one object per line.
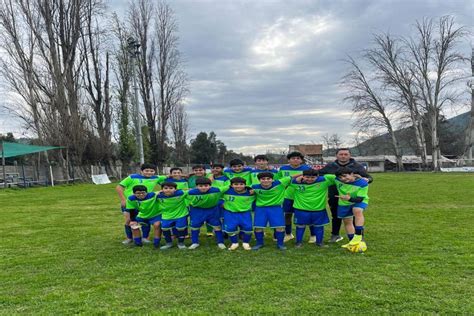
{"x":60,"y":253}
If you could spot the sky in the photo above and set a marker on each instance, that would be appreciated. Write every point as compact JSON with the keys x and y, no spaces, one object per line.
{"x":266,"y":74}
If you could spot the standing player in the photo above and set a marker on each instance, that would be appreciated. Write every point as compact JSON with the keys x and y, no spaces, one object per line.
{"x":261,"y":165}
{"x":295,"y":166}
{"x":237,"y":213}
{"x":268,"y":207}
{"x":238,"y":169}
{"x":198,"y":172}
{"x":124,"y":189}
{"x":144,"y":203}
{"x":310,"y":197}
{"x":176,"y":176}
{"x":353,"y":200}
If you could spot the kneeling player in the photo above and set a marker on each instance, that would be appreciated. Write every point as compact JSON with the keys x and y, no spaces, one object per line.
{"x":172,"y":204}
{"x":148,"y":214}
{"x":237,"y":213}
{"x":268,"y":207}
{"x":204,"y":207}
{"x":353,"y":200}
{"x":310,"y":196}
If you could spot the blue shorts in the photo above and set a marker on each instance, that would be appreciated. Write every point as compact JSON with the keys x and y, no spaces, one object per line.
{"x":200,"y":215}
{"x":345,"y":211}
{"x":288,"y":206}
{"x":180,"y":223}
{"x":220,"y":206}
{"x":269,"y":214}
{"x":149,"y":221}
{"x":237,"y":220}
{"x":315,"y":218}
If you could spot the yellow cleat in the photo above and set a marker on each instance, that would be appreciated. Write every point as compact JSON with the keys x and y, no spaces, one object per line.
{"x":356,"y":240}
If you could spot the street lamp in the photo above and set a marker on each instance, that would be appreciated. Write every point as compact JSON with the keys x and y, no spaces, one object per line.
{"x":134,"y":51}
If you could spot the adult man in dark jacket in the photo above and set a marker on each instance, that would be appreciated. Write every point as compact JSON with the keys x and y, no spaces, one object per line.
{"x":343,"y":159}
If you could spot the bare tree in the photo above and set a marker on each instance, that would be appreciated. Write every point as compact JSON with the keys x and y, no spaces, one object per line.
{"x":369,"y":107}
{"x":180,"y":130}
{"x":470,"y":129}
{"x":433,"y":63}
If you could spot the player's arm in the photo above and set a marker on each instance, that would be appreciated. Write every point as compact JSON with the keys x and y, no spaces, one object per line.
{"x":330,"y":178}
{"x":360,"y":170}
{"x":120,"y":189}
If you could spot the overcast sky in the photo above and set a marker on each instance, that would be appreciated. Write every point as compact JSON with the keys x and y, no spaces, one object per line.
{"x":265,"y":74}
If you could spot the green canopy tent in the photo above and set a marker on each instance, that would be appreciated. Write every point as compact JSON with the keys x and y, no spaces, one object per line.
{"x":15,"y":149}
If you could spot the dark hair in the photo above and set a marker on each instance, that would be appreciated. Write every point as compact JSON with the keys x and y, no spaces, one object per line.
{"x":263,"y":157}
{"x":218,"y":165}
{"x":175,"y":168}
{"x":311,"y":173}
{"x":169,"y":184}
{"x":147,"y":166}
{"x":343,"y":170}
{"x":199,"y":167}
{"x":344,"y":148}
{"x":235,"y":162}
{"x":202,"y":180}
{"x":139,"y":188}
{"x":295,"y":154}
{"x":264,"y":175}
{"x":237,"y":180}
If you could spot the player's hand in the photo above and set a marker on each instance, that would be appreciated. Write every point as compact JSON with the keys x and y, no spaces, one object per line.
{"x":251,"y":192}
{"x":345,"y":197}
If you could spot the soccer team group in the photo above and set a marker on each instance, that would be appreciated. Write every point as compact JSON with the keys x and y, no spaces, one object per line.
{"x":237,"y":201}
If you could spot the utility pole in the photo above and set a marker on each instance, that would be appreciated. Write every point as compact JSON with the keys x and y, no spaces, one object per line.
{"x":134,"y":51}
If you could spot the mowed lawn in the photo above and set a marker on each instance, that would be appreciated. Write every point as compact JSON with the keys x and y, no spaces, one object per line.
{"x":61,"y":253}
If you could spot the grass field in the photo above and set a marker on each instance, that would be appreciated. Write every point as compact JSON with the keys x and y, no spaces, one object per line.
{"x":60,"y":253}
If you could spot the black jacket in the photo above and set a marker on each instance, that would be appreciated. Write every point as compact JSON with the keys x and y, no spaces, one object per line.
{"x":332,"y":167}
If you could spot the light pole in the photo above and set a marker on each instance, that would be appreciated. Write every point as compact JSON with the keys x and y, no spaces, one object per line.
{"x":134,"y":51}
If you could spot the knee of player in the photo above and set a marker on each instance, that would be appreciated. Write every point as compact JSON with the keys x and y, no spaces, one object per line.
{"x":157,"y":224}
{"x":358,"y":211}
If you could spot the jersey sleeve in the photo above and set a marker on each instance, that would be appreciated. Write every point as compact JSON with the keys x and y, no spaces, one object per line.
{"x":330,"y":178}
{"x":131,"y":205}
{"x":285,"y":181}
{"x":363,"y":192}
{"x":161,"y":179}
{"x":126,"y":182}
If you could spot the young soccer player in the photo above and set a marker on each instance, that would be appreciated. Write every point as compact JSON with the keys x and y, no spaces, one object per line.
{"x":238,"y":169}
{"x":144,"y":203}
{"x":268,"y":209}
{"x":237,"y":213}
{"x":204,"y":201}
{"x":261,"y":165}
{"x":198,"y":172}
{"x":353,"y":201}
{"x":295,"y":166}
{"x":174,"y":213}
{"x":218,"y":178}
{"x":310,"y":197}
{"x":176,"y":176}
{"x":124,"y":189}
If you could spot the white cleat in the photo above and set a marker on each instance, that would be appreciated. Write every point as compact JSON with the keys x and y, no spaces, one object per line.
{"x":288,"y":237}
{"x":246,"y":246}
{"x":127,"y":241}
{"x":221,"y":246}
{"x":181,"y":246}
{"x":312,"y":240}
{"x":233,"y":247}
{"x":193,"y":246}
{"x":146,"y":241}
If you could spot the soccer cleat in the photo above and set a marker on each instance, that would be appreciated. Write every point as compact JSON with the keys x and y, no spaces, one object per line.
{"x":209,"y":234}
{"x":357,"y":239}
{"x":233,"y":246}
{"x":127,"y":241}
{"x":246,"y":246}
{"x":167,"y":246}
{"x":298,"y":245}
{"x":193,"y":246}
{"x":146,"y":241}
{"x":335,"y":238}
{"x":346,"y":246}
{"x":282,"y":247}
{"x":181,"y":245}
{"x":312,"y":240}
{"x":221,"y":246}
{"x":288,"y":237}
{"x":257,"y":247}
{"x":321,"y":245}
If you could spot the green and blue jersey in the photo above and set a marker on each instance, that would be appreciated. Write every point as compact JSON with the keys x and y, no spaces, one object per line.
{"x":358,"y":190}
{"x":312,"y":196}
{"x":137,"y":179}
{"x":245,"y":174}
{"x":289,"y":171}
{"x":208,"y":199}
{"x":173,"y":206}
{"x":272,"y":196}
{"x":238,"y":202}
{"x":146,"y":207}
{"x":254,"y":174}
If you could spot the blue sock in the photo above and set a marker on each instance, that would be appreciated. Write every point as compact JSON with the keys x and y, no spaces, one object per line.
{"x":312,"y":230}
{"x":156,"y":242}
{"x":195,"y":236}
{"x":128,"y":232}
{"x":181,"y":234}
{"x":274,"y":234}
{"x":280,"y":237}
{"x":167,"y":234}
{"x":234,"y":239}
{"x":137,"y":241}
{"x":175,"y":231}
{"x":241,"y":235}
{"x":288,"y":229}
{"x":259,"y":238}
{"x":219,"y":236}
{"x":246,"y":238}
{"x":146,"y":231}
{"x":359,"y":230}
{"x":350,"y":236}
{"x":299,"y":233}
{"x":319,"y":232}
